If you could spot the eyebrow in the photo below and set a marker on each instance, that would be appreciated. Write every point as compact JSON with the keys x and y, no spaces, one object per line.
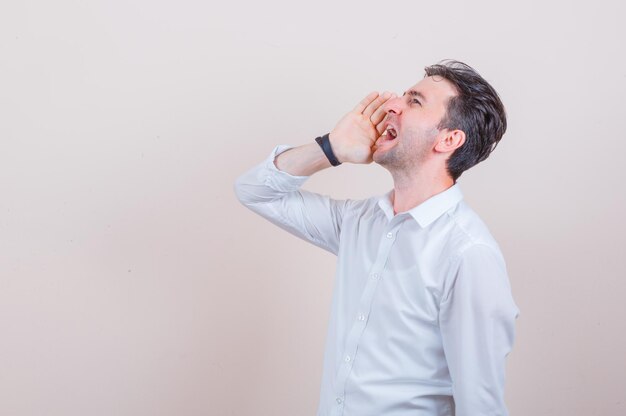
{"x":414,"y":93}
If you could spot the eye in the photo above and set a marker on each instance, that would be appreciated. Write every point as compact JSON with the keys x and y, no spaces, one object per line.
{"x":415,"y":101}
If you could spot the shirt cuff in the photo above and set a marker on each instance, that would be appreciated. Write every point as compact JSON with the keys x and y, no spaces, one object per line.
{"x":277,"y":179}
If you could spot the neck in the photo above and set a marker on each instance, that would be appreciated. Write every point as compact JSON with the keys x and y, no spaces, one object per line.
{"x":410,"y":189}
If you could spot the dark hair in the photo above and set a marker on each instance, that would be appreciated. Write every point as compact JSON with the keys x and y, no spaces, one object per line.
{"x":476,"y":110}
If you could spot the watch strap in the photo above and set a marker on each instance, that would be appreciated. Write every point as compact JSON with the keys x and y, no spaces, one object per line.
{"x":324,"y":142}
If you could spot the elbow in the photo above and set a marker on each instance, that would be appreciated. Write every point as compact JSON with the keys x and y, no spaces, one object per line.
{"x":248,"y":190}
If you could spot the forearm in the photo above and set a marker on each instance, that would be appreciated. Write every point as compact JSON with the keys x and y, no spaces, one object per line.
{"x":265,"y":183}
{"x":351,"y":141}
{"x":303,"y":160}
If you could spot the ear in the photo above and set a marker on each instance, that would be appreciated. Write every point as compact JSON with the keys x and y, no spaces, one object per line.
{"x":449,"y":141}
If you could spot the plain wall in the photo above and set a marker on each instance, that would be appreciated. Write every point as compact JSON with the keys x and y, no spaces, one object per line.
{"x":132,"y":282}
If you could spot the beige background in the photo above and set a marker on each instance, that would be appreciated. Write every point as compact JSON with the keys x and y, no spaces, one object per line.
{"x":133,"y":283}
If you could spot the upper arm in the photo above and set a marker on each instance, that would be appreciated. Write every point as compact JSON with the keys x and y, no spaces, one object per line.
{"x":276,"y":195}
{"x":312,"y":217}
{"x":477,"y":320}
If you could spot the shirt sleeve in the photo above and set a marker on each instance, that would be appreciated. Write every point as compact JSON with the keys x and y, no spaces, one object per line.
{"x":276,"y":196}
{"x":477,"y":321}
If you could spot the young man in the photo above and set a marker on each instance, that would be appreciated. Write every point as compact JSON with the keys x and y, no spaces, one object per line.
{"x":422,"y":312}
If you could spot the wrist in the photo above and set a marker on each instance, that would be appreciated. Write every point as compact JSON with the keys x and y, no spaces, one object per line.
{"x":326,"y":146}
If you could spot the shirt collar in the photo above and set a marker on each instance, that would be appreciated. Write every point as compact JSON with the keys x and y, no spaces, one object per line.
{"x":429,"y":210}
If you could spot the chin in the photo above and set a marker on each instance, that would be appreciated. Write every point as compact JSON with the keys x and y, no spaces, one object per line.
{"x":381,"y":157}
{"x":376,"y":157}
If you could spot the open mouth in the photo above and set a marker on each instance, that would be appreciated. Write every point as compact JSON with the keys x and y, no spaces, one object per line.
{"x":390,"y":133}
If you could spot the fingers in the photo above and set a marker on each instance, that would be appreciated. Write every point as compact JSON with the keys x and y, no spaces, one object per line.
{"x":373,"y":108}
{"x":379,"y":113}
{"x":375,"y":104}
{"x":380,"y":127}
{"x":375,"y":111}
{"x":365,"y":102}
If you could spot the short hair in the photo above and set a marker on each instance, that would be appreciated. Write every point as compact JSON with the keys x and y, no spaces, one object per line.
{"x":476,"y":110}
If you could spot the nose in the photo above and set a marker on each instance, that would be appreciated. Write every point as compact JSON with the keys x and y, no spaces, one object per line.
{"x":393,"y":105}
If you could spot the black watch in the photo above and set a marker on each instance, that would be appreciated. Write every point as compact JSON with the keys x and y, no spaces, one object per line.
{"x":324,"y":142}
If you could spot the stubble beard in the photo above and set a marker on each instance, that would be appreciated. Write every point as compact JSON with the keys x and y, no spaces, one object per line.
{"x":407,"y":155}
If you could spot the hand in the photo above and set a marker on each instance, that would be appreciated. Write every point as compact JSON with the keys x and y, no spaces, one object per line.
{"x":355,"y":134}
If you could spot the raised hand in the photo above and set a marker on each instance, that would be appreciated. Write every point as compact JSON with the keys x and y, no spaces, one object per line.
{"x":355,"y":134}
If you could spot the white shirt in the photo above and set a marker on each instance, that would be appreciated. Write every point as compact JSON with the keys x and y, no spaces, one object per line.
{"x":422,"y":313}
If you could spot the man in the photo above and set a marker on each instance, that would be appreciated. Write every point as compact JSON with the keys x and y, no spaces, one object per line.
{"x":422,"y":314}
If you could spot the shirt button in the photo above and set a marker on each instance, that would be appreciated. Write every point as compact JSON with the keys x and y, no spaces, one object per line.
{"x":361,"y":317}
{"x":374,"y":276}
{"x":347,"y":358}
{"x":339,"y":400}
{"x":389,"y":235}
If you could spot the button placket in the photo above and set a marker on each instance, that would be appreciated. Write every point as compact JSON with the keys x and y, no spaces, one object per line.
{"x":359,"y":325}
